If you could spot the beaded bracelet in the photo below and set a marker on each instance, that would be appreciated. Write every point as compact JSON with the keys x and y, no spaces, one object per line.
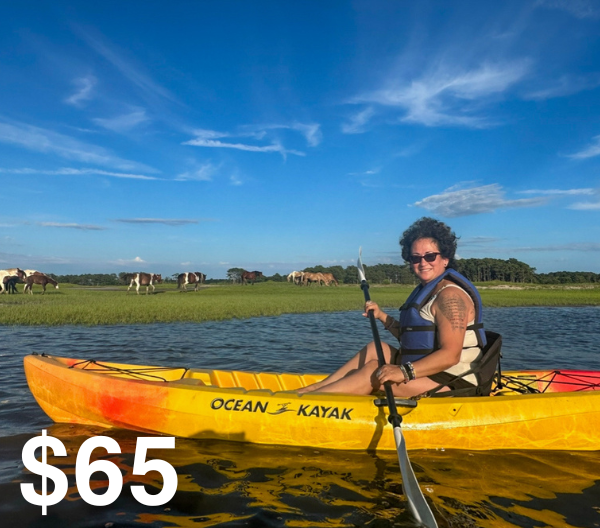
{"x":404,"y":371}
{"x":410,"y":370}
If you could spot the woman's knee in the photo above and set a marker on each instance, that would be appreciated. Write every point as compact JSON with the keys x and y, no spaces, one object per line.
{"x":370,"y":367}
{"x":389,"y":352}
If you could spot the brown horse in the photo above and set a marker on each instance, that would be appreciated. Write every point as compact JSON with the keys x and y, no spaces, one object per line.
{"x":309,"y":278}
{"x":144,"y":279}
{"x":11,"y":272}
{"x":190,"y":277}
{"x":38,"y":278}
{"x":329,"y":278}
{"x":10,"y":283}
{"x":250,"y":276}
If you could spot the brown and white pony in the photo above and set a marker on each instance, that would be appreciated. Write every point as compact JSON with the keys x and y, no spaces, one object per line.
{"x":190,"y":277}
{"x":144,"y":279}
{"x":11,"y":272}
{"x":38,"y":278}
{"x":250,"y":276}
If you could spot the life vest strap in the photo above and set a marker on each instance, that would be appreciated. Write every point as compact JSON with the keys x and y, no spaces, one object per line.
{"x":418,"y":328}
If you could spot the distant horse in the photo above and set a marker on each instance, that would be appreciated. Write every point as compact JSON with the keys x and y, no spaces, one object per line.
{"x":329,"y":278}
{"x":38,"y":278}
{"x":296,"y":276}
{"x":11,"y":272}
{"x":190,"y":277}
{"x":250,"y":276}
{"x":10,"y":282}
{"x":144,"y":279}
{"x":309,"y":278}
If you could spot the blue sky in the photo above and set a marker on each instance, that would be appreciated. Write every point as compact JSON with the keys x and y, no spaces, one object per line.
{"x":200,"y":136}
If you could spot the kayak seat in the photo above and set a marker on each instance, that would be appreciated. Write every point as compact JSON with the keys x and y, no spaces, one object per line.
{"x":485,"y":370}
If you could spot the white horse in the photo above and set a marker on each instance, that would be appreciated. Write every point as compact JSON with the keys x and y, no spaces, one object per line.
{"x":296,"y":276}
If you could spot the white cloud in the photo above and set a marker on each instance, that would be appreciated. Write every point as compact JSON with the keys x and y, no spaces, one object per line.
{"x":575,"y":246}
{"x":448,"y":95}
{"x":369,"y":172}
{"x":203,"y":173}
{"x":234,"y":179}
{"x":212,"y":143}
{"x":144,"y":82}
{"x":310,"y":131}
{"x":84,"y":227}
{"x":478,"y":241}
{"x":84,"y":87}
{"x":213,"y":138}
{"x":357,"y":122}
{"x":78,"y":172}
{"x":47,"y":141}
{"x":590,"y":151}
{"x":586,"y":206}
{"x":128,"y":262}
{"x":565,"y":85}
{"x":561,"y":192}
{"x":577,"y":8}
{"x":165,"y":221}
{"x":122,"y":123}
{"x":477,"y":200}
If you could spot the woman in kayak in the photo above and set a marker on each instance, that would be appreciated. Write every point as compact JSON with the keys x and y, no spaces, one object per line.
{"x":439,"y":328}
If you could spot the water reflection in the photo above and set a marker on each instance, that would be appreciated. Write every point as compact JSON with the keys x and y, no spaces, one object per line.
{"x":229,"y":484}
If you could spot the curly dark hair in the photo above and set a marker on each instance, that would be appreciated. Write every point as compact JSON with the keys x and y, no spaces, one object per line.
{"x":427,"y":227}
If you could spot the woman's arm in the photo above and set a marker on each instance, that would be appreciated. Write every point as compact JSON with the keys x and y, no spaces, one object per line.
{"x":389,"y":323}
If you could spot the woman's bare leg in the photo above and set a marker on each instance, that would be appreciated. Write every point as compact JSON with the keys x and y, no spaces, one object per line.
{"x":364,"y":356}
{"x":364,"y":381}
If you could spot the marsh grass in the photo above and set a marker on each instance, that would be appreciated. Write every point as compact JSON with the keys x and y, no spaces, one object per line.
{"x":106,"y":306}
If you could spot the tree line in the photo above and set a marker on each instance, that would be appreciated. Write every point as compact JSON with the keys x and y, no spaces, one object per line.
{"x":476,"y":270}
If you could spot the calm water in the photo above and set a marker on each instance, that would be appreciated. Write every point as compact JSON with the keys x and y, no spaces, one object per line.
{"x":230,"y":485}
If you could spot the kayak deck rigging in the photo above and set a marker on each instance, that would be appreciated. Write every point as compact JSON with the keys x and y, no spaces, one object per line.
{"x":522,"y":383}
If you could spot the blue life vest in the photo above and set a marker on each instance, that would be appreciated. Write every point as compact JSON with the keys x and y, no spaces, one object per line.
{"x":418,"y":335}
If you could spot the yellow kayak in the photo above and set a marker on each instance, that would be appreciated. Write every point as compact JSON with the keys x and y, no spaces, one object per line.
{"x":531,"y":410}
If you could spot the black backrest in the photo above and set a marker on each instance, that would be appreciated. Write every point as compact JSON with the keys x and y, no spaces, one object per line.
{"x":484,"y":369}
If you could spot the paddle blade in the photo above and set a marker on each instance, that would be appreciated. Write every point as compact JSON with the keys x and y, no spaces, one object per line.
{"x":412,"y":491}
{"x":359,"y":265}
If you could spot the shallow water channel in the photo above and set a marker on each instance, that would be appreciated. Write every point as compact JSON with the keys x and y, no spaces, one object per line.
{"x":230,"y":485}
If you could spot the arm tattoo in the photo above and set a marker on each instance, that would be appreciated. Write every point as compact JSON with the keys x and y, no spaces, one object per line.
{"x":454,"y":309}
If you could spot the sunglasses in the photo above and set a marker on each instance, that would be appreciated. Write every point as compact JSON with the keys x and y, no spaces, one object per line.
{"x":429,"y":257}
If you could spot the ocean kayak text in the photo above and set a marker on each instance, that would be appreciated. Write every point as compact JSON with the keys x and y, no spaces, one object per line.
{"x":318,"y":411}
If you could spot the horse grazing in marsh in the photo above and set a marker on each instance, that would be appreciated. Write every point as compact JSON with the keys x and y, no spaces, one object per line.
{"x":250,"y":276}
{"x":309,"y":278}
{"x":190,"y":277}
{"x":296,"y":276}
{"x":329,"y":278}
{"x":10,"y":283}
{"x":11,"y":272}
{"x":144,"y":279}
{"x":38,"y":278}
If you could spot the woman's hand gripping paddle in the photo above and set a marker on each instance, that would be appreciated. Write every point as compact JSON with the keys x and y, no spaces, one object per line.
{"x":414,"y":495}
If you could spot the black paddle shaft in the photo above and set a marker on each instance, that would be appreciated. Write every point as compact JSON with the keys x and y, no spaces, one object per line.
{"x":394,"y":418}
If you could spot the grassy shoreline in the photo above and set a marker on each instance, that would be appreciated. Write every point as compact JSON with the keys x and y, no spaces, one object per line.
{"x":113,"y":306}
